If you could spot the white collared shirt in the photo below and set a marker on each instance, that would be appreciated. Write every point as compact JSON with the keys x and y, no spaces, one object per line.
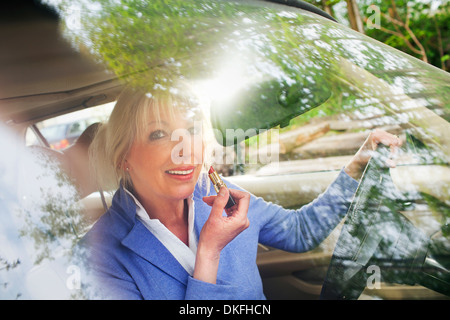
{"x":185,"y":255}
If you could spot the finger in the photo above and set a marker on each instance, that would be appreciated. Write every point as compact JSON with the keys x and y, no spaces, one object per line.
{"x":237,"y":194}
{"x":390,"y":163}
{"x":394,"y":147}
{"x":385,"y":138}
{"x":220,"y":202}
{"x":209,"y":200}
{"x":389,"y":140}
{"x":242,"y":200}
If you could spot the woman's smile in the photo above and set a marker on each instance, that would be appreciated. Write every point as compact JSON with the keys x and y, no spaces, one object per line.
{"x":181,"y":173}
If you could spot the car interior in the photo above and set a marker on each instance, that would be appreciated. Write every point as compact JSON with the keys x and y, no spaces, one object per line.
{"x":43,"y":75}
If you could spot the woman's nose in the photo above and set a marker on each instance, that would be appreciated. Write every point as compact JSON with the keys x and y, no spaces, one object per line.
{"x":186,"y":145}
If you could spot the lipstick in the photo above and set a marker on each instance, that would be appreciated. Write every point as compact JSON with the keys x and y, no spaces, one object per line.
{"x":218,"y":183}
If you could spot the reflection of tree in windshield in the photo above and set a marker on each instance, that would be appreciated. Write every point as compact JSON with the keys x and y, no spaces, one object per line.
{"x":52,"y":216}
{"x":157,"y":41}
{"x":377,"y":233}
{"x":154,"y":43}
{"x":42,"y":224}
{"x":5,"y":266}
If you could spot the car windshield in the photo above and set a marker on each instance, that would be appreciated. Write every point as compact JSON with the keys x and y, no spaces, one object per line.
{"x":291,"y":96}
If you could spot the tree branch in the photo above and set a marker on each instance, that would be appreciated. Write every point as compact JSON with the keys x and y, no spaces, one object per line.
{"x":405,"y":25}
{"x":413,"y":36}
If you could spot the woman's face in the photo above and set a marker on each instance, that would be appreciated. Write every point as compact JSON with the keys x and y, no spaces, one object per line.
{"x":167,"y":162}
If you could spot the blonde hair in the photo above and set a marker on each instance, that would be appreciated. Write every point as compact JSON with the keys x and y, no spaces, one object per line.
{"x":128,"y":122}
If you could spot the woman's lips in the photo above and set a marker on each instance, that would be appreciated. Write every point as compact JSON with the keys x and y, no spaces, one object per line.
{"x":181,"y":173}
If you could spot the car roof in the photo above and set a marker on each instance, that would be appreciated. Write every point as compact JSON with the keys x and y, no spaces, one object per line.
{"x":41,"y":74}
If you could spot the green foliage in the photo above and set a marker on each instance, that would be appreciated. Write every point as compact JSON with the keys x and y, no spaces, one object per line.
{"x":152,"y":42}
{"x":292,"y":63}
{"x":431,"y":27}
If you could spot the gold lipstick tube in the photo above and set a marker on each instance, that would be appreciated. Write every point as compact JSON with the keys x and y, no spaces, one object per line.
{"x":218,"y":183}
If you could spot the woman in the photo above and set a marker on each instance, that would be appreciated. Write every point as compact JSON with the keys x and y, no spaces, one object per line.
{"x":164,"y":237}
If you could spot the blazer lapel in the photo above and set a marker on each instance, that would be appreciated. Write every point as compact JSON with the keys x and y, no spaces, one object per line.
{"x":147,"y":246}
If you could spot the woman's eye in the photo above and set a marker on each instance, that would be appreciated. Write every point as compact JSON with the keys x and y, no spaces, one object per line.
{"x":195,"y":130}
{"x":157,"y":134}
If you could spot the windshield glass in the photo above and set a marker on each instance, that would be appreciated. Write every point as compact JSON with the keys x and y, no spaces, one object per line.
{"x":290,"y":97}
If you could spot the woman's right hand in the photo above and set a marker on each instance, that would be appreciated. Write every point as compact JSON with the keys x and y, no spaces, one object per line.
{"x":219,"y":230}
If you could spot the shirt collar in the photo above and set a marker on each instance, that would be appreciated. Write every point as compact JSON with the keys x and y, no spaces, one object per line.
{"x":145,"y":218}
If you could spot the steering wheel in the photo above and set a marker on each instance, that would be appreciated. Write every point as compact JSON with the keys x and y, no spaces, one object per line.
{"x":377,"y":238}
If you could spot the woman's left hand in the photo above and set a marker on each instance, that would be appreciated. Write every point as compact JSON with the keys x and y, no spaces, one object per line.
{"x":356,"y":166}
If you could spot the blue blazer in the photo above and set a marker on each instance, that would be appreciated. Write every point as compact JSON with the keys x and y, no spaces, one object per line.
{"x":129,"y":262}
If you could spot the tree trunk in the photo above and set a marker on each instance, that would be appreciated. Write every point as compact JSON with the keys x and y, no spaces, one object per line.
{"x":327,"y":8}
{"x":354,"y":16}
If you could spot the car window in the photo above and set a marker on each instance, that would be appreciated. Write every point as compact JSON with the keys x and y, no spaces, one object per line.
{"x":77,"y":127}
{"x":43,"y":217}
{"x":61,"y":132}
{"x":54,"y":132}
{"x":291,"y":97}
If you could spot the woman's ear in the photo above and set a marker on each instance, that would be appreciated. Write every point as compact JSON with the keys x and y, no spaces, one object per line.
{"x":125,"y":166}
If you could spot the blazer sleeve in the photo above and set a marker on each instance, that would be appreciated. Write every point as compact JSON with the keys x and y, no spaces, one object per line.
{"x":303,"y":229}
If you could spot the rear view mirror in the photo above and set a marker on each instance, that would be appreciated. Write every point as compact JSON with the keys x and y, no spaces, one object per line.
{"x":261,"y":107}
